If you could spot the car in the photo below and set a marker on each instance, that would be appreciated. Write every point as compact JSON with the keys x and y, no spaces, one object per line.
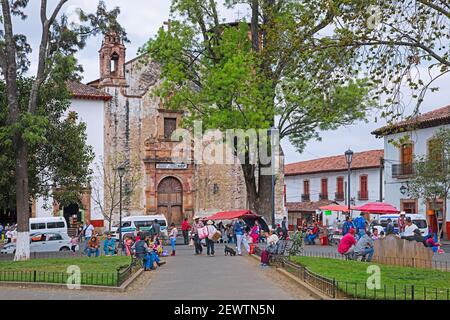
{"x":144,"y":223}
{"x":43,"y":242}
{"x":419,"y":220}
{"x":48,"y":224}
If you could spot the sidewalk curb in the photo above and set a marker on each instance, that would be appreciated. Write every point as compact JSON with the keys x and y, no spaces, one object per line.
{"x":311,"y":290}
{"x":43,"y":285}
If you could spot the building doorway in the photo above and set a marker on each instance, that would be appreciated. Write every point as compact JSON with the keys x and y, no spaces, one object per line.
{"x":72,"y":214}
{"x":170,"y":200}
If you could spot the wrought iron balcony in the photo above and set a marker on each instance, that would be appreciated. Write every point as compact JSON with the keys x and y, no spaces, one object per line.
{"x":363,"y":195}
{"x":323,"y":196}
{"x":402,"y":170}
{"x":305,"y":198}
{"x":339,"y":196}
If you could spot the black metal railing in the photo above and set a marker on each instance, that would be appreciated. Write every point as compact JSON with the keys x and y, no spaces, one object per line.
{"x":360,"y":290}
{"x":110,"y":279}
{"x":305,"y":197}
{"x":402,"y":170}
{"x":323,"y":196}
{"x":443,"y":265}
{"x":363,"y":195}
{"x":46,"y":255}
{"x":339,"y":196}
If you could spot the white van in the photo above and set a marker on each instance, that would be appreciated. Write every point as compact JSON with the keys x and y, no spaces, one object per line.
{"x":144,"y":223}
{"x":48,"y":224}
{"x":418,"y":219}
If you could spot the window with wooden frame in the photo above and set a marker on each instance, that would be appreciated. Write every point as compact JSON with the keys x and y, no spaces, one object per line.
{"x":435,"y":150}
{"x":170,"y":125}
{"x":406,"y":158}
{"x":340,"y":195}
{"x":363,"y":188}
{"x":305,"y":195}
{"x":324,"y":189}
{"x":408,"y":205}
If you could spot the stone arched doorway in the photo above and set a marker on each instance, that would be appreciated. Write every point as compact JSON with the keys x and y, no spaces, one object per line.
{"x":170,"y":200}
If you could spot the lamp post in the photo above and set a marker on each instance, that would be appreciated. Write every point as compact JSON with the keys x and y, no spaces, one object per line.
{"x":348,"y":158}
{"x":121,"y":172}
{"x":273,"y":132}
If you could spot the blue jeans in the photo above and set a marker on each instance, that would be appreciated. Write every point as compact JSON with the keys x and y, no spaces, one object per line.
{"x":366,"y":252}
{"x":109,"y":251}
{"x":86,"y":244}
{"x":173,"y":241}
{"x":90,"y":250}
{"x":311,"y":238}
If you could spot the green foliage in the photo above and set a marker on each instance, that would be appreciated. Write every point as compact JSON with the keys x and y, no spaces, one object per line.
{"x":214,"y":70}
{"x":58,"y":155}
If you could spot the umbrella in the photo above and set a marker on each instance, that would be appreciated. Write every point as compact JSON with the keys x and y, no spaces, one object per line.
{"x":377,"y":208}
{"x":336,"y":207}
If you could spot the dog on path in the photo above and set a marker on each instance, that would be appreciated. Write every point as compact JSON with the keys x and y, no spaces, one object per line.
{"x":229,"y":251}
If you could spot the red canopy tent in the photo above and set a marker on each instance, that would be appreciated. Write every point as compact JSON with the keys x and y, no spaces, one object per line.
{"x":230,"y":215}
{"x":377,"y":208}
{"x":336,"y":207}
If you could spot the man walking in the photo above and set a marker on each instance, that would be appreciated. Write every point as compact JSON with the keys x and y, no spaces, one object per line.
{"x":156,"y":228}
{"x":185,"y":227}
{"x":197,"y":242}
{"x":360,"y":224}
{"x":88,"y":229}
{"x":284,"y":228}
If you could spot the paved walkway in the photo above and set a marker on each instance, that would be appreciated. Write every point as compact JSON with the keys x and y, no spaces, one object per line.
{"x":190,"y":277}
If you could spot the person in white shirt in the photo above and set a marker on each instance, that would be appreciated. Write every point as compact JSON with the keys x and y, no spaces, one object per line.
{"x":88,"y":229}
{"x":272,"y":239}
{"x":409,"y":228}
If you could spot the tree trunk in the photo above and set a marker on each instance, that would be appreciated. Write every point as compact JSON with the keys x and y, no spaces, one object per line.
{"x":22,"y":202}
{"x":444,"y":218}
{"x":21,"y":148}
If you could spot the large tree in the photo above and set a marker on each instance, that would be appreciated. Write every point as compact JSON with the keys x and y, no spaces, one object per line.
{"x":403,"y":46}
{"x":56,"y":64}
{"x":263,"y":71}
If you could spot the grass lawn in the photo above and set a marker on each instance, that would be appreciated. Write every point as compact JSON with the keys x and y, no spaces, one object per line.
{"x":96,"y":271}
{"x":352,"y":277}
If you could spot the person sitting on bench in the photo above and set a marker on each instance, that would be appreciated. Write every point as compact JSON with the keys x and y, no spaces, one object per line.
{"x":347,"y":244}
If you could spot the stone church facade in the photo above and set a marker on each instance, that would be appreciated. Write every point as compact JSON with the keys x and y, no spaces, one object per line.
{"x":137,"y":128}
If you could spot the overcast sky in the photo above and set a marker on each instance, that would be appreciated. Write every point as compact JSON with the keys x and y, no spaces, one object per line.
{"x":142,"y":19}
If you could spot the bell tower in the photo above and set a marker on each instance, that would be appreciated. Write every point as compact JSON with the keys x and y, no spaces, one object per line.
{"x":112,"y":61}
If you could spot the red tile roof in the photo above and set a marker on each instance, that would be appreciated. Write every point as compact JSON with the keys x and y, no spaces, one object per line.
{"x":430,"y":119}
{"x":307,"y":206}
{"x":83,"y":91}
{"x":361,"y":160}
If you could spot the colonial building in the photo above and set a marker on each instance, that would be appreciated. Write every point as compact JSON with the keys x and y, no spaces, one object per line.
{"x":126,"y":120}
{"x":400,"y":161}
{"x":315,"y":183}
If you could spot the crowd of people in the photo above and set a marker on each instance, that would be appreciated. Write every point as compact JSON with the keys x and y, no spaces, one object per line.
{"x":358,"y":240}
{"x":8,"y":233}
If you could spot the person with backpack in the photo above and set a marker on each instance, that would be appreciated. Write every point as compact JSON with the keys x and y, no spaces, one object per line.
{"x":360,"y":225}
{"x":348,"y":224}
{"x":238,"y":227}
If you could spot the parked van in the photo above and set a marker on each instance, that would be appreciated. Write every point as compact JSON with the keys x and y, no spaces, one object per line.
{"x":48,"y":224}
{"x":418,"y":219}
{"x":144,"y":223}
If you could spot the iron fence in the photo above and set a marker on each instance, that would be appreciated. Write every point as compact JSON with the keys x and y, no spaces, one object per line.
{"x":443,"y":265}
{"x":113,"y":279}
{"x":358,"y":290}
{"x":46,"y":255}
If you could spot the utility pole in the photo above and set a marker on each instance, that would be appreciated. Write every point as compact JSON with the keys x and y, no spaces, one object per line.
{"x":381,"y":178}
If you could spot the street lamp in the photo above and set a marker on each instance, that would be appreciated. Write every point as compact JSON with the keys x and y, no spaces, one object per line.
{"x":273,"y":132}
{"x":349,"y":159}
{"x":121,"y":172}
